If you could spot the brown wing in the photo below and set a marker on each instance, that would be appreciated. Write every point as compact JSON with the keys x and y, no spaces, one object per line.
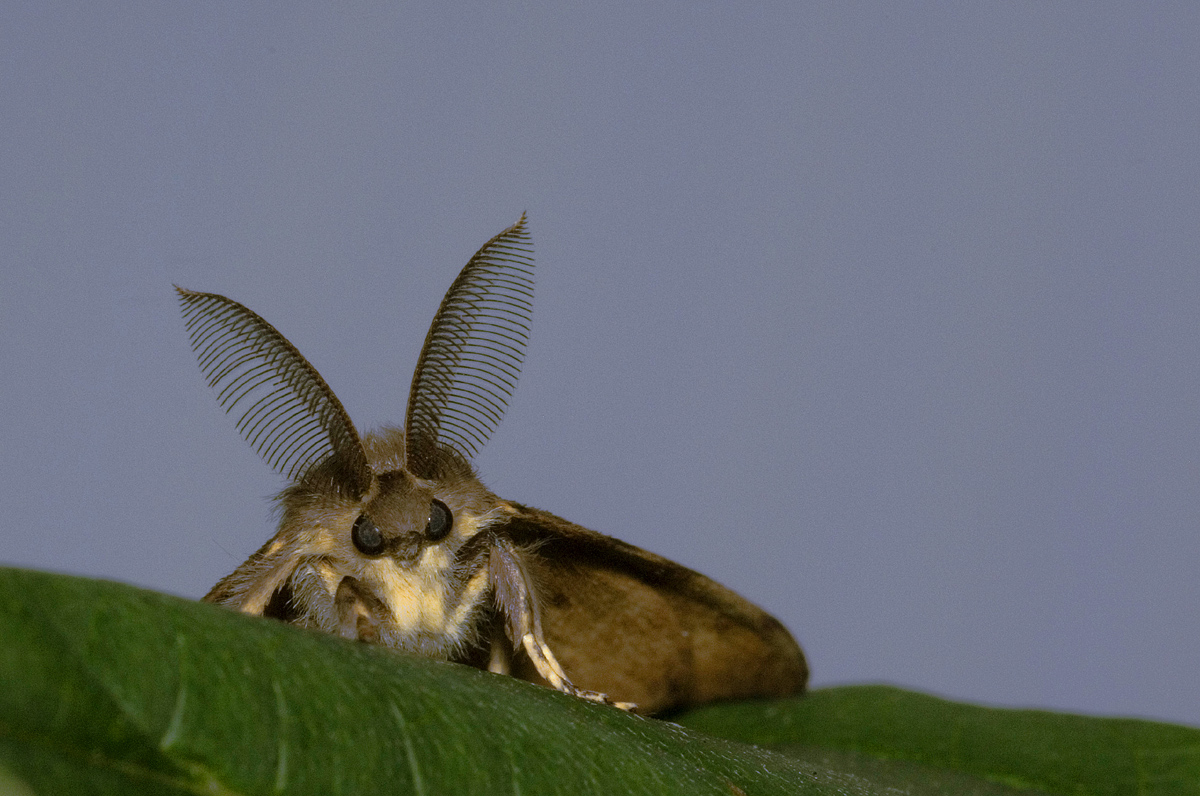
{"x":643,"y":629}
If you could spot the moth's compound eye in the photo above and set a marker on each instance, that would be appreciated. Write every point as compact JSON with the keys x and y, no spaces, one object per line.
{"x":440,"y":521}
{"x":366,"y":536}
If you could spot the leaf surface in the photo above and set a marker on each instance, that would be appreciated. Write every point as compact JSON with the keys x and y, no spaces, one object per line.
{"x":110,"y":689}
{"x":1027,"y":749}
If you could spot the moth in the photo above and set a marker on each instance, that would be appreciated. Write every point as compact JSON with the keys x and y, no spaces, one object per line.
{"x":391,"y":538}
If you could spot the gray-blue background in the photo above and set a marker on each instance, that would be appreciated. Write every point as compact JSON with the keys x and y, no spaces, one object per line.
{"x":886,"y":317}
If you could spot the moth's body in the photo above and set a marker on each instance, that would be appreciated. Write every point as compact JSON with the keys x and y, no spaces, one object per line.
{"x":390,"y":538}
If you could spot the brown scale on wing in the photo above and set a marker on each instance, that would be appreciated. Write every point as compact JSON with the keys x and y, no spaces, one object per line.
{"x":643,"y":629}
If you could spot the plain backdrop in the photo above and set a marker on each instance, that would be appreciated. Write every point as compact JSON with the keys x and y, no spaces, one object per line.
{"x":885,"y":316}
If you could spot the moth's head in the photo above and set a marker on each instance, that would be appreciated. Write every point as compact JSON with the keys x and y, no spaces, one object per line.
{"x":387,"y":565}
{"x":381,"y":536}
{"x":390,"y":514}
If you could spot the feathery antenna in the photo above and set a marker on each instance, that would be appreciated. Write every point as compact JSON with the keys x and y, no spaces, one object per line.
{"x":473,"y":352}
{"x":289,"y":416}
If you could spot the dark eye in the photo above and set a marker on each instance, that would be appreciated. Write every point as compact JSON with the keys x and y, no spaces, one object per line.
{"x":366,"y":536}
{"x":440,"y":521}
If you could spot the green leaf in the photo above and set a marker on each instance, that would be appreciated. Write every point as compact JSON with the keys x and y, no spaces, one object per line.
{"x":112,"y":689}
{"x":1029,"y":749}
